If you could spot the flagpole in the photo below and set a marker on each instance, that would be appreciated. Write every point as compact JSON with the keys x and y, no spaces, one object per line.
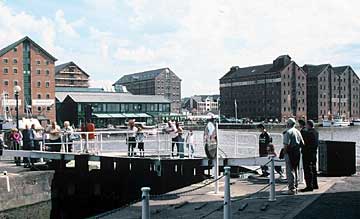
{"x":235,"y":111}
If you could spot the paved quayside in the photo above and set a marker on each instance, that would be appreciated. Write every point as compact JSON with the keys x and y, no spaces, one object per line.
{"x":342,"y":192}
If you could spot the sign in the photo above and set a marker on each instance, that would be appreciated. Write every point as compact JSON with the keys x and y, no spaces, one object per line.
{"x":43,"y":102}
{"x":10,"y":102}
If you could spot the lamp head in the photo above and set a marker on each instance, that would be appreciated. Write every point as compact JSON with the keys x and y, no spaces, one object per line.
{"x":17,"y":88}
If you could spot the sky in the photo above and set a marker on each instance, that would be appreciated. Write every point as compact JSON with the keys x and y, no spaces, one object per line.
{"x":197,"y":39}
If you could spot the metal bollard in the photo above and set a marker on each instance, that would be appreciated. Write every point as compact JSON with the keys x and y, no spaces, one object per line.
{"x":301,"y":170}
{"x":272,"y":180}
{"x":7,"y":180}
{"x":145,"y":211}
{"x":227,"y":196}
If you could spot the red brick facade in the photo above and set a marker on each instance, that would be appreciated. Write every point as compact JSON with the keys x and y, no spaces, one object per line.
{"x":42,"y":72}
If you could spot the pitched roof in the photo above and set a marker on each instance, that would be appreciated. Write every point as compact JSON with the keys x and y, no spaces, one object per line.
{"x":11,"y":46}
{"x":314,"y":70}
{"x":278,"y":65}
{"x":247,"y":71}
{"x":340,"y":69}
{"x":78,"y":89}
{"x":58,"y":68}
{"x":146,"y":75}
{"x":110,"y":97}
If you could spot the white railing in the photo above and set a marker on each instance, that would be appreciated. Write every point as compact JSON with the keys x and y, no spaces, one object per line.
{"x":157,"y":143}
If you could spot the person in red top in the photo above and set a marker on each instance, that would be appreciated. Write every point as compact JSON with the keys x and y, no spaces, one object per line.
{"x":90,"y":127}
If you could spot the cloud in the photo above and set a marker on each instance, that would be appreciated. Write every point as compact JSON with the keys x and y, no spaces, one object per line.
{"x":199,"y":40}
{"x":199,"y":48}
{"x":63,"y":26}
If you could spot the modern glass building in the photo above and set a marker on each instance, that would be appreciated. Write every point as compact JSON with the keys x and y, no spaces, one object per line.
{"x":111,"y":108}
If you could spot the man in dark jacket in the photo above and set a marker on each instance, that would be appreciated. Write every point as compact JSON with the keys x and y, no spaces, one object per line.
{"x":309,"y":151}
{"x":28,"y":142}
{"x":264,"y":141}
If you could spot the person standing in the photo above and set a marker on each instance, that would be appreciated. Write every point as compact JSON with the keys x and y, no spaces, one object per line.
{"x":309,"y":152}
{"x":190,"y":143}
{"x":15,"y":139}
{"x":90,"y":127}
{"x":264,"y":141}
{"x":210,"y":138}
{"x":37,"y":139}
{"x":54,"y":132}
{"x":140,"y":136}
{"x":180,"y":140}
{"x":172,"y":131}
{"x":28,"y":144}
{"x":292,"y":141}
{"x":68,"y":131}
{"x":131,"y":137}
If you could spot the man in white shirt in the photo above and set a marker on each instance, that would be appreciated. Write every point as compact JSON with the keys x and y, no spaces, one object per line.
{"x":131,"y":140}
{"x":172,"y":131}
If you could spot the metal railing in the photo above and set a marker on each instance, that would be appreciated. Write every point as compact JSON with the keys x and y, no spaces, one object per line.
{"x":234,"y":144}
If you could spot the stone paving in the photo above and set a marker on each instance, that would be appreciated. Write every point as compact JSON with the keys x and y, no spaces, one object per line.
{"x":204,"y":203}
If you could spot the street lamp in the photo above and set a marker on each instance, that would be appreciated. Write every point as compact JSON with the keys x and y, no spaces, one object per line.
{"x":17,"y":89}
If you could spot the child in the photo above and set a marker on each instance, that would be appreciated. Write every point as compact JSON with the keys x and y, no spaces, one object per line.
{"x":190,"y":143}
{"x":140,"y":140}
{"x":271,"y":151}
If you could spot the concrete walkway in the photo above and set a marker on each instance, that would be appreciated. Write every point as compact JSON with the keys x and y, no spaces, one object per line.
{"x":203,"y":203}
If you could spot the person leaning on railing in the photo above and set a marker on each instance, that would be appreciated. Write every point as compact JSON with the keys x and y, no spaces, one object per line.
{"x":67,"y":135}
{"x":54,"y":132}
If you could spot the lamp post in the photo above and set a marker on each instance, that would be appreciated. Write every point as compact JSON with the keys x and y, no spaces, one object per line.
{"x":17,"y":89}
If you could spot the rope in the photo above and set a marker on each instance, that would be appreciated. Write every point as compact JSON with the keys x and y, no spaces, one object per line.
{"x":222,"y":152}
{"x":118,"y":209}
{"x":246,"y":197}
{"x":187,"y":191}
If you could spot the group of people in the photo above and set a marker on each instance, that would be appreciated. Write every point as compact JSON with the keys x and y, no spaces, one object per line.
{"x":295,"y":143}
{"x":135,"y":137}
{"x":30,"y":137}
{"x":176,"y":133}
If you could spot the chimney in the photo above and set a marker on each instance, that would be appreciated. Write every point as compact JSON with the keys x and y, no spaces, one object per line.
{"x":282,"y":61}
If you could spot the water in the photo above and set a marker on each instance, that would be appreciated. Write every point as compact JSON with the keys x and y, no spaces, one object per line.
{"x":233,"y":143}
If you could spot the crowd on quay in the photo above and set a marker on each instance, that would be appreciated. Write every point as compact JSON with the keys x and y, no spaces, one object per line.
{"x":295,"y":143}
{"x":32,"y":138}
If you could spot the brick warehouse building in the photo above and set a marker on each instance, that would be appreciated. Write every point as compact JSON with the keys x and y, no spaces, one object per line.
{"x":348,"y":89}
{"x":270,"y":91}
{"x":28,"y":65}
{"x":162,"y":82}
{"x":320,"y":91}
{"x":332,"y":92}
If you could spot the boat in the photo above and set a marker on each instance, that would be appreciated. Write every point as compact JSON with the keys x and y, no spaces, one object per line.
{"x":337,"y":122}
{"x":326,"y":123}
{"x":356,"y":122}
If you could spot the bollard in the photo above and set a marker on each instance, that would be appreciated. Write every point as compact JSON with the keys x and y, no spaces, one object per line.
{"x":227,"y":196}
{"x":301,"y":171}
{"x":272,"y":180}
{"x":41,"y":149}
{"x":145,"y":211}
{"x":7,"y":180}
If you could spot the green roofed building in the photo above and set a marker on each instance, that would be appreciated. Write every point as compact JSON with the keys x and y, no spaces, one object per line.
{"x":111,"y":108}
